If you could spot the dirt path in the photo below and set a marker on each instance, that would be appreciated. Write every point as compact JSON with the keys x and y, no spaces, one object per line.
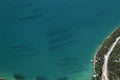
{"x":106,"y":57}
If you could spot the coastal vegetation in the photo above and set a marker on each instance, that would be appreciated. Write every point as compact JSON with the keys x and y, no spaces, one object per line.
{"x":114,"y":63}
{"x":104,"y":48}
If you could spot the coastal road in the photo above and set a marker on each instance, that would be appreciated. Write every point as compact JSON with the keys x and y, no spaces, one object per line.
{"x":106,"y":57}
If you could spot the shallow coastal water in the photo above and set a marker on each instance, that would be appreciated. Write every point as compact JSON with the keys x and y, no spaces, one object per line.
{"x":53,"y":38}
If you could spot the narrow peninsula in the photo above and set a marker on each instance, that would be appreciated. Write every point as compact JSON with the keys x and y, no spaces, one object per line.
{"x":107,"y":58}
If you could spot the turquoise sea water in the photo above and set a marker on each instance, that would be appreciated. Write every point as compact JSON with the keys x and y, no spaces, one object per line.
{"x":53,"y":38}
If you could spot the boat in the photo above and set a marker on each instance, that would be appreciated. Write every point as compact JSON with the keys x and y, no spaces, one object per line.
{"x":91,"y":61}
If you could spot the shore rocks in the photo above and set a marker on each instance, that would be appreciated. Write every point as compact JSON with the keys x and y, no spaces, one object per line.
{"x":40,"y":77}
{"x":19,"y":77}
{"x":2,"y":78}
